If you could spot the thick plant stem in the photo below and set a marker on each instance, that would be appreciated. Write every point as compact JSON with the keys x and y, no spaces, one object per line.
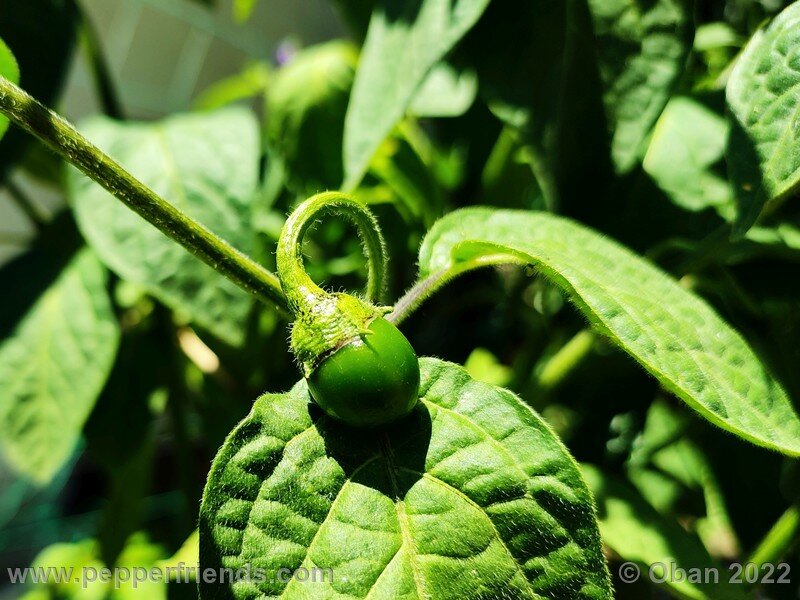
{"x":565,"y":361}
{"x":64,"y":139}
{"x":779,"y":539}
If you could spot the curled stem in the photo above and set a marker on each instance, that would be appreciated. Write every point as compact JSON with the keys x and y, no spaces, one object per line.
{"x":299,"y":288}
{"x":64,"y":139}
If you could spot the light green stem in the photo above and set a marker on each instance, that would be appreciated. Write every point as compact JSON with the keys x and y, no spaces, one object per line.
{"x":299,"y":288}
{"x":565,"y":361}
{"x":64,"y":139}
{"x":778,"y":539}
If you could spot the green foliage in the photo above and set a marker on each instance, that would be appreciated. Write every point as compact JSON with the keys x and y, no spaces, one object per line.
{"x":446,"y":504}
{"x":416,"y":35}
{"x":306,"y":105}
{"x":57,"y":350}
{"x":673,"y":334}
{"x":207,"y":165}
{"x":642,"y":48}
{"x":640,"y":157}
{"x":762,"y":97}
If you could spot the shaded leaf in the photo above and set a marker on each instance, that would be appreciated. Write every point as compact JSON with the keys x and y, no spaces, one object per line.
{"x":53,"y":365}
{"x":672,"y":333}
{"x":306,"y":105}
{"x":635,"y":531}
{"x":404,"y":41}
{"x":762,"y":94}
{"x":446,"y":92}
{"x":641,"y":48}
{"x":207,"y":166}
{"x":687,"y":142}
{"x":471,"y":496}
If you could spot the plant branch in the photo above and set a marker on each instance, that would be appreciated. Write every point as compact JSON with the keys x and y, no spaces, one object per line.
{"x":64,"y":139}
{"x":425,"y":288}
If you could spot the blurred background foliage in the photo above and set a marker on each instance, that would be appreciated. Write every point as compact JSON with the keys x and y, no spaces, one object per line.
{"x":186,"y":357}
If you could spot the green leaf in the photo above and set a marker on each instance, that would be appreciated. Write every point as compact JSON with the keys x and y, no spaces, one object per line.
{"x":672,"y":333}
{"x":207,"y":166}
{"x":446,"y":92}
{"x":635,"y":531}
{"x":762,"y":94}
{"x":250,"y":82}
{"x":243,"y":9}
{"x":306,"y":105}
{"x":687,"y":142}
{"x":471,"y":496}
{"x":642,"y":48}
{"x":53,"y":364}
{"x":404,"y":41}
{"x":10,"y":70}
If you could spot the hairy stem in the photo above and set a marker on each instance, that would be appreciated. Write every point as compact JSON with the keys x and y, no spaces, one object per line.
{"x":297,"y":284}
{"x":64,"y":139}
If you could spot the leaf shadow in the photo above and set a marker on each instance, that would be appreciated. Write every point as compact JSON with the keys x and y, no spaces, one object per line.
{"x":746,"y":176}
{"x":372,"y":463}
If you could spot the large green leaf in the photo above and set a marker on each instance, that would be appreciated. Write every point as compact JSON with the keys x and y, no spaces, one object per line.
{"x":635,"y":531}
{"x":54,"y":360}
{"x":10,"y":70}
{"x":763,"y":95}
{"x":207,"y":166}
{"x":471,"y":496}
{"x":404,"y":41}
{"x":672,"y":333}
{"x":641,"y":49}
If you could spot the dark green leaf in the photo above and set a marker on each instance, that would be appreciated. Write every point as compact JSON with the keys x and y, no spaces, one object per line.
{"x":405,"y":40}
{"x":671,"y":332}
{"x":471,"y":496}
{"x":207,"y":166}
{"x":762,"y":93}
{"x":641,"y":49}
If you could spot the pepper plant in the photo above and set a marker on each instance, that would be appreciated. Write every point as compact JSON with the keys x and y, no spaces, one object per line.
{"x":577,"y":344}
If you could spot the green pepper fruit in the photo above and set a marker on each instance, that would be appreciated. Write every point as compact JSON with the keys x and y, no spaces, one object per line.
{"x":360,"y":369}
{"x":370,"y":381}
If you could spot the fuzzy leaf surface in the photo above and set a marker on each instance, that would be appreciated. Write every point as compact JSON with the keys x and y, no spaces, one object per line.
{"x":672,"y":333}
{"x":471,"y":496}
{"x":763,"y":95}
